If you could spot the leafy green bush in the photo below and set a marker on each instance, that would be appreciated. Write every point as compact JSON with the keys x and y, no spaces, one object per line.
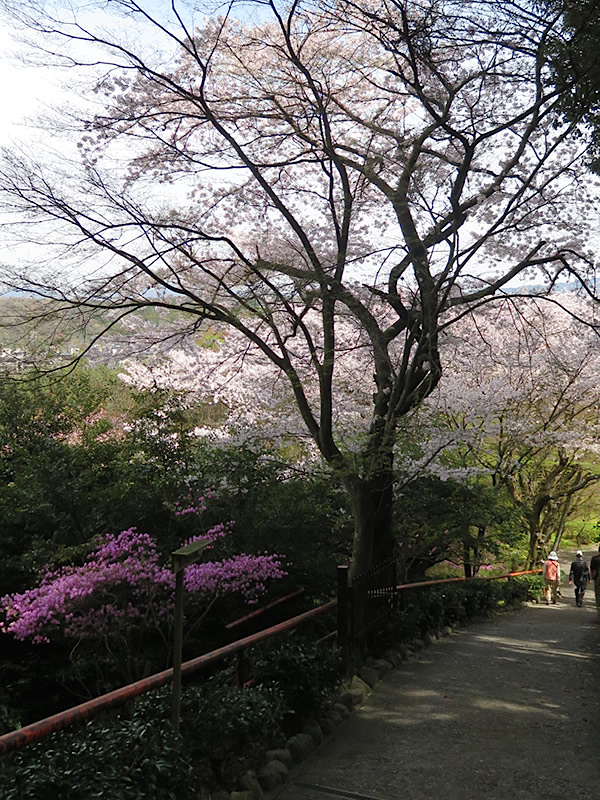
{"x":230,"y":727}
{"x":525,"y":587}
{"x":116,"y":757}
{"x":429,"y":608}
{"x":304,"y":674}
{"x":135,"y":753}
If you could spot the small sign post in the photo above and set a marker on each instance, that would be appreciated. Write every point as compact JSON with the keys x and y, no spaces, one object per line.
{"x":180,"y":559}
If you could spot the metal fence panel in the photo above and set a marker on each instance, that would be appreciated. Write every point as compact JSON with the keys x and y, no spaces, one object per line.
{"x":373,"y":599}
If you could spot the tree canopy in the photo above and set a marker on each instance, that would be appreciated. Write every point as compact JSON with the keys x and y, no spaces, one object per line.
{"x":518,"y":410}
{"x":574,"y":66}
{"x":318,"y":178}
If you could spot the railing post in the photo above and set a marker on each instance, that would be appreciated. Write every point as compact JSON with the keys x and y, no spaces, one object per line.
{"x":239,"y":670}
{"x":343,"y":616}
{"x":180,"y":559}
{"x":177,"y":651}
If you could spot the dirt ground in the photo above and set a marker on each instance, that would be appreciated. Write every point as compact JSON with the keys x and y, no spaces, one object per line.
{"x":506,"y":708}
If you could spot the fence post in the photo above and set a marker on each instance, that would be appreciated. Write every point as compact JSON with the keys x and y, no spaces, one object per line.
{"x":180,"y":559}
{"x":177,"y":649}
{"x":343,"y":616}
{"x":239,"y":670}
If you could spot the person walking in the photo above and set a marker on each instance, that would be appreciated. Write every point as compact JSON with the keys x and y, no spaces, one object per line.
{"x":579,"y":575}
{"x":552,"y":577}
{"x":595,"y":573}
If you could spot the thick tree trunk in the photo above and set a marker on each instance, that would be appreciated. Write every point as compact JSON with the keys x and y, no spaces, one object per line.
{"x":371,"y":503}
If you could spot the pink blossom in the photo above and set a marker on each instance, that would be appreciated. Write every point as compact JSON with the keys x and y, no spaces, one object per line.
{"x":123,"y":581}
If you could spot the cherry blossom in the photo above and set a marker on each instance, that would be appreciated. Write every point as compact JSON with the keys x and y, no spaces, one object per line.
{"x":322,"y":180}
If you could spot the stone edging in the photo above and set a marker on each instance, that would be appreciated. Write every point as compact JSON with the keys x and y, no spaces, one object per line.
{"x":265,"y":782}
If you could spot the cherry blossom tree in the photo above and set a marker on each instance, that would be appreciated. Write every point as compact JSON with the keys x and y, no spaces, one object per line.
{"x":520,"y":406}
{"x":315,"y":177}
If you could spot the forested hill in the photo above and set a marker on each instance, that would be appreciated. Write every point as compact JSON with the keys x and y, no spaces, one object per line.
{"x":29,"y":332}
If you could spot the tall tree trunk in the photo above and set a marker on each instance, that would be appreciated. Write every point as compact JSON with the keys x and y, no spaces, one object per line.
{"x":563,"y":520}
{"x":478,"y":549}
{"x":467,"y":567}
{"x":371,"y":503}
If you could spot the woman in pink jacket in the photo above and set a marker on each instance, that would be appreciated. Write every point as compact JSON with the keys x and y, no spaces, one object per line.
{"x":551,"y":577}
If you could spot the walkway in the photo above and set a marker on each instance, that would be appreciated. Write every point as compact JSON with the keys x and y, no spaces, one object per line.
{"x":505,"y":709}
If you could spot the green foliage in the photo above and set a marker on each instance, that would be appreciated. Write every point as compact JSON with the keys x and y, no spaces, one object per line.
{"x":8,"y":718}
{"x":303,"y":673}
{"x":444,"y":520}
{"x":525,"y":587}
{"x":118,"y":758}
{"x":135,"y":754}
{"x":430,"y":608}
{"x":76,"y":460}
{"x":230,"y":727}
{"x":86,"y":456}
{"x":302,"y":515}
{"x":573,"y":61}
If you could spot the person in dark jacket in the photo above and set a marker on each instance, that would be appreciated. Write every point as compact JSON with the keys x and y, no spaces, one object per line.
{"x":595,"y":570}
{"x":579,"y":576}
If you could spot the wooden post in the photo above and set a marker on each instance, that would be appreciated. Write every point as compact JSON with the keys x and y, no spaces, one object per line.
{"x":239,"y":670}
{"x":180,"y":559}
{"x":343,"y":597}
{"x":177,"y":651}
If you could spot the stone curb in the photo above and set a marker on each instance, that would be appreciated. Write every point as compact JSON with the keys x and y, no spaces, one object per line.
{"x":267,"y":782}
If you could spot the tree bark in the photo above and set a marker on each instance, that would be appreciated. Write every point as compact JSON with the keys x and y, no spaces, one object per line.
{"x":371,"y":503}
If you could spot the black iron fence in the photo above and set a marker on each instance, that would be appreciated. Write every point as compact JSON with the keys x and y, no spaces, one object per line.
{"x":366,"y":607}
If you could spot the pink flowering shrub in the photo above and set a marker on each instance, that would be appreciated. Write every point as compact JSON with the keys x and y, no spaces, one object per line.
{"x":124,"y":579}
{"x":87,"y":601}
{"x":123,"y":594}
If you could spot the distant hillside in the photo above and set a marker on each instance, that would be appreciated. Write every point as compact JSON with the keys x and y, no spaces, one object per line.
{"x":31,"y":328}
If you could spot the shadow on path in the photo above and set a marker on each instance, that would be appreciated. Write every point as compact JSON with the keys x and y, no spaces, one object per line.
{"x":507,"y":708}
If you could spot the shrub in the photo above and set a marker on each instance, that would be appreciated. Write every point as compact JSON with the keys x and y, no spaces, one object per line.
{"x":117,"y":608}
{"x":429,"y":608}
{"x":231,"y":727}
{"x":116,"y":757}
{"x":304,"y":674}
{"x":136,"y":754}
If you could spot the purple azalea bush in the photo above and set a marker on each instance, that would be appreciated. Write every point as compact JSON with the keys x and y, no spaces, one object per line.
{"x":123,"y":591}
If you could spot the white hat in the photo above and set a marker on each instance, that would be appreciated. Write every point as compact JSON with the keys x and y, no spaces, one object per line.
{"x":579,"y":553}
{"x":553,"y":556}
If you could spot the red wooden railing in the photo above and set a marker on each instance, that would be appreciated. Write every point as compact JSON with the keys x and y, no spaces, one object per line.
{"x":260,"y":611}
{"x":417,"y":584}
{"x":120,"y":697}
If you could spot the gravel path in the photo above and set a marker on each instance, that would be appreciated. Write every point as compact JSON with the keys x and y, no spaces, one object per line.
{"x":508,"y":708}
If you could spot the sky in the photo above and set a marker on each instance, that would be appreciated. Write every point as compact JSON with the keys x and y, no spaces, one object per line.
{"x":24,"y":90}
{"x":15,"y":86}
